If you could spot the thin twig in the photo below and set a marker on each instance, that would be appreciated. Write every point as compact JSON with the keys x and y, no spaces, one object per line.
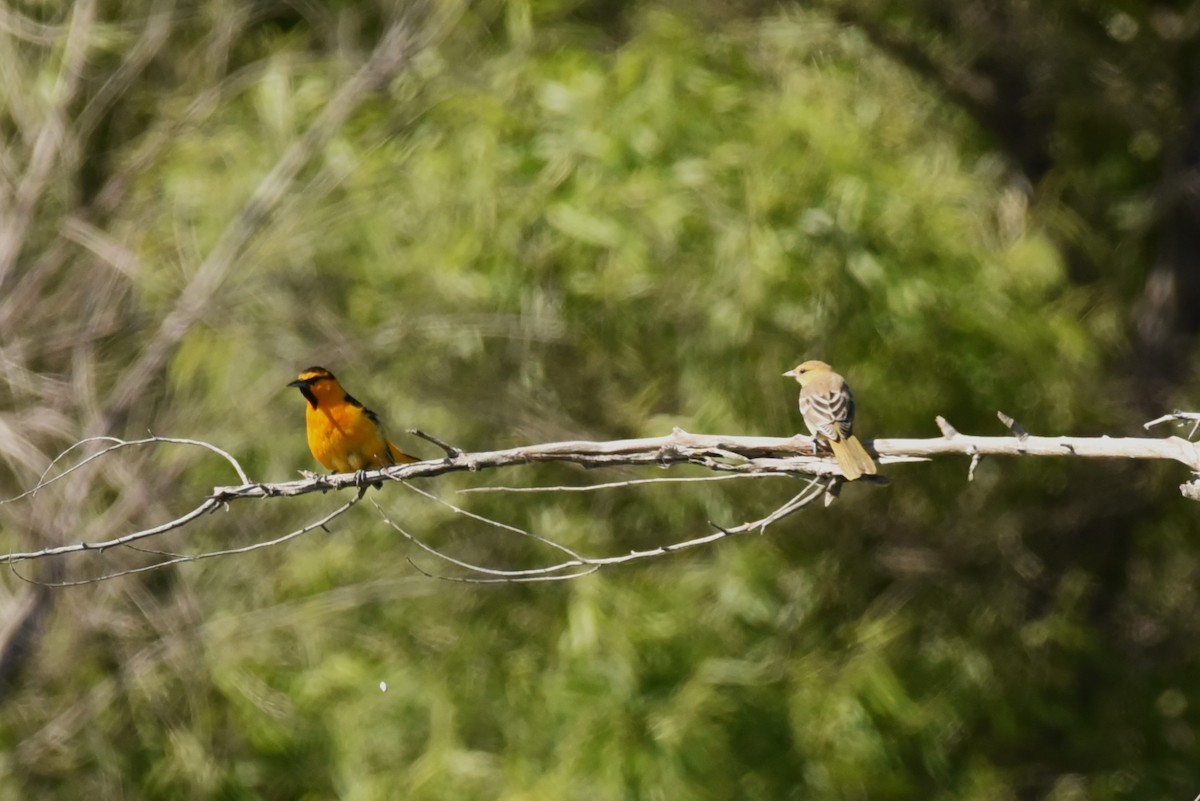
{"x":519,"y":580}
{"x":450,"y":450}
{"x":179,"y":559}
{"x":619,"y":484}
{"x":975,"y":460}
{"x":811,"y":492}
{"x":1177,"y":417}
{"x":208,"y":505}
{"x":489,"y":521}
{"x":948,"y":431}
{"x":1012,"y":425}
{"x":529,"y":573}
{"x":119,"y":444}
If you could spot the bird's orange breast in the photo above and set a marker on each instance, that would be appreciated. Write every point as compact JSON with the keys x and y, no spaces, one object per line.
{"x":343,"y":439}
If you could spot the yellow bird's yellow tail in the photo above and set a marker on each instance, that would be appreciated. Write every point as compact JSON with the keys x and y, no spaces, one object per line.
{"x":399,"y":456}
{"x":853,"y":458}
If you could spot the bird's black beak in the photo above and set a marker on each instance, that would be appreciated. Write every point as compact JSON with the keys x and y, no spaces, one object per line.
{"x":305,"y":388}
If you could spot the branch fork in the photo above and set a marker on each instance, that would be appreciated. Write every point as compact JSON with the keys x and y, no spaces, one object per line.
{"x":726,"y":456}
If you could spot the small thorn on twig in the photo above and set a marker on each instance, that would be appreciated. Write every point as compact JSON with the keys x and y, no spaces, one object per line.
{"x":451,"y":451}
{"x":1180,"y":417}
{"x":975,"y":460}
{"x":832,"y":490}
{"x":948,"y":431}
{"x":1166,"y":418}
{"x":721,"y":529}
{"x":1012,"y":425}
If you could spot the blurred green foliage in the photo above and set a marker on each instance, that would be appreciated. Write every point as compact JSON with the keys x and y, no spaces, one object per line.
{"x":536,"y":233}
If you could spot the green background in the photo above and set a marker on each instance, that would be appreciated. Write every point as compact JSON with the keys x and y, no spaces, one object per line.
{"x":574,"y":220}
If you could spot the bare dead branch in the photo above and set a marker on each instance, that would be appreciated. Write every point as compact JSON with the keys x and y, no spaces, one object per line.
{"x":1172,"y":448}
{"x":757,"y":455}
{"x":729,"y":456}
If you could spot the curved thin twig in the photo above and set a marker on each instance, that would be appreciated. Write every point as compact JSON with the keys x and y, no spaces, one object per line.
{"x":813,"y":490}
{"x":181,"y":558}
{"x":208,"y":505}
{"x":519,"y":580}
{"x":119,"y":444}
{"x":1178,"y":417}
{"x":489,"y":521}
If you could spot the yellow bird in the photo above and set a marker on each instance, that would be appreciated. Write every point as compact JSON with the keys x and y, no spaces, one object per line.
{"x":343,"y":435}
{"x":828,"y":409}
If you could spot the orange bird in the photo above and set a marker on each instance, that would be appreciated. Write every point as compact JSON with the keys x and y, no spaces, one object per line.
{"x":828,"y":409}
{"x":343,"y":435}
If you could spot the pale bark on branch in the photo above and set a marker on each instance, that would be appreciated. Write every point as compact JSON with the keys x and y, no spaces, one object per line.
{"x":733,"y":455}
